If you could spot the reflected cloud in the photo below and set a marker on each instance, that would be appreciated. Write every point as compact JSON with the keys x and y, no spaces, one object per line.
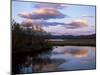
{"x":85,"y":61}
{"x":77,"y":53}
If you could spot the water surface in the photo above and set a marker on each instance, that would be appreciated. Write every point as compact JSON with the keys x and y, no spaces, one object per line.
{"x":62,"y":58}
{"x":76,"y":57}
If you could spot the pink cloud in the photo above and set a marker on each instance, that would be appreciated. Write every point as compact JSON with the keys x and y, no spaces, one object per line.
{"x":62,"y":30}
{"x":42,"y":13}
{"x":79,"y":23}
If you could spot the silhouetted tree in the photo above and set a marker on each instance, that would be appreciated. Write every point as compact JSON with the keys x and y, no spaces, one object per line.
{"x":26,"y":43}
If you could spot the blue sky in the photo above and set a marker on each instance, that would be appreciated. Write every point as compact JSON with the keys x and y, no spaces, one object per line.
{"x":71,"y":15}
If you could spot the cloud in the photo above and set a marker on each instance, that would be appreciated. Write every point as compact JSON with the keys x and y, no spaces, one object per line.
{"x":73,"y":25}
{"x":62,"y":30}
{"x":50,"y":5}
{"x":58,"y":23}
{"x":45,"y":23}
{"x":27,"y":23}
{"x":42,"y":13}
{"x":55,"y":30}
{"x":25,"y":15}
{"x":58,"y":28}
{"x":79,"y":23}
{"x":41,"y":22}
{"x":30,"y":22}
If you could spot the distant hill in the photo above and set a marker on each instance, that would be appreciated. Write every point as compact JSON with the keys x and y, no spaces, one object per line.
{"x":93,"y":36}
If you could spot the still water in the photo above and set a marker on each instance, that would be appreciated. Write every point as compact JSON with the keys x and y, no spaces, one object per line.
{"x":75,"y":57}
{"x":63,"y":58}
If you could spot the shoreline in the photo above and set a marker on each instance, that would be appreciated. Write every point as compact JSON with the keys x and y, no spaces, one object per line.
{"x":74,"y":42}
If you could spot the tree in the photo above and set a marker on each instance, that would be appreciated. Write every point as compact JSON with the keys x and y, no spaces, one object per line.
{"x":26,"y":43}
{"x":28,"y":40}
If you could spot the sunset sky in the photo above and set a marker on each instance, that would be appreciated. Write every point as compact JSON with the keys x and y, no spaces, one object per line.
{"x":57,"y":19}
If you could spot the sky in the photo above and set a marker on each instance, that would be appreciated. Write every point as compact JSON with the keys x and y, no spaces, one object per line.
{"x":57,"y":19}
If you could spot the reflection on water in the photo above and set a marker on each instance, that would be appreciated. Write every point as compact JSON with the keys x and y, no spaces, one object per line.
{"x":79,"y":57}
{"x":59,"y":59}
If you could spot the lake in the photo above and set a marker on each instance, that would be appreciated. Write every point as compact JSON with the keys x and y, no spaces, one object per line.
{"x":62,"y":58}
{"x":76,"y":57}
